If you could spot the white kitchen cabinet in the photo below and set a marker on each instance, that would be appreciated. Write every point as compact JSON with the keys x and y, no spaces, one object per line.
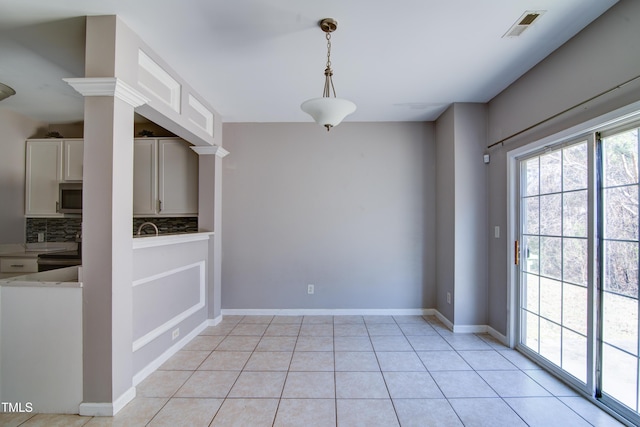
{"x":177,"y":178}
{"x":73,"y":152}
{"x":165,"y":178}
{"x":145,"y":172}
{"x":18,"y":265}
{"x":44,"y":172}
{"x":49,"y":162}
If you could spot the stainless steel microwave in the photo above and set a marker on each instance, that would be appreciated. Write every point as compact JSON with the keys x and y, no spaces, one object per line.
{"x":70,"y":197}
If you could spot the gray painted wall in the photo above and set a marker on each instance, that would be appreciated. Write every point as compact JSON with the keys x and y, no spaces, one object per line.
{"x":169,"y":289}
{"x":351,"y":211}
{"x":461,"y":214}
{"x":470,"y":302}
{"x":445,"y":207}
{"x":602,"y":56}
{"x":15,"y":131}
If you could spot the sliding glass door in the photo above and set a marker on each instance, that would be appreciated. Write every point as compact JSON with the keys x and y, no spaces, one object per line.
{"x":554,"y":296}
{"x":619,"y":267}
{"x":579,"y":245}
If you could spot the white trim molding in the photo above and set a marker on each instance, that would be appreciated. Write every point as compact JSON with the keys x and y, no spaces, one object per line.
{"x":444,"y":320}
{"x":158,"y":82}
{"x":107,"y":86}
{"x":214,"y":322}
{"x":157,"y":362}
{"x":166,"y":326}
{"x":458,"y":329}
{"x":329,"y":312}
{"x":208,"y":150}
{"x":205,"y":119}
{"x":498,"y":336}
{"x":107,"y":409}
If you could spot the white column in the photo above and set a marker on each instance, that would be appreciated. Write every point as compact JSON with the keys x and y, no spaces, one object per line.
{"x":210,"y":217}
{"x":107,"y":243}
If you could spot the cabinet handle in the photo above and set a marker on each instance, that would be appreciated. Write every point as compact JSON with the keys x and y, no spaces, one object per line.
{"x":159,"y":205}
{"x":58,"y":207}
{"x":17,"y":265}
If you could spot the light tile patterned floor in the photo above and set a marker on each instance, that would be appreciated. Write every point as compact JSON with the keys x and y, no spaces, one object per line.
{"x":347,"y":371}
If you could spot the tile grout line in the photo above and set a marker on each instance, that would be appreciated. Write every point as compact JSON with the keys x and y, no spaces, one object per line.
{"x":182,"y":385}
{"x":457,"y":351}
{"x":286,"y":377}
{"x":236,"y":380}
{"x":427,"y":369}
{"x":393,"y":405}
{"x":439,"y":332}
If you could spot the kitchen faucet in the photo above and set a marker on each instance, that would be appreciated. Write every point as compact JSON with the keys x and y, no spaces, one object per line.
{"x":147,"y":223}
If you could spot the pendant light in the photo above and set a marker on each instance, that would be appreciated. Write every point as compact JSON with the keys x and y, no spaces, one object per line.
{"x":328,"y":111}
{"x":5,"y":91}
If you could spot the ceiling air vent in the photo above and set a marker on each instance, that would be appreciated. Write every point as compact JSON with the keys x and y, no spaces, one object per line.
{"x":524,"y":22}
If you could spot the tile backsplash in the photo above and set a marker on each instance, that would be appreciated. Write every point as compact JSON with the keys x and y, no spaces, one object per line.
{"x":167,"y":225}
{"x":54,"y":229}
{"x":65,"y":229}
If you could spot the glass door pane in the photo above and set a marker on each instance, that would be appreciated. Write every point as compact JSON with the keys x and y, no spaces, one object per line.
{"x":554,"y":273}
{"x":619,"y":268}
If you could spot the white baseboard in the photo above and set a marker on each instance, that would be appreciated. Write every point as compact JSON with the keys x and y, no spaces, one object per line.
{"x":107,"y":409}
{"x":214,"y":322}
{"x":461,"y":329}
{"x":497,"y":335}
{"x":329,"y":312}
{"x":110,"y":409}
{"x":156,"y":363}
{"x":122,"y":401}
{"x":443,"y":319}
{"x":472,"y":329}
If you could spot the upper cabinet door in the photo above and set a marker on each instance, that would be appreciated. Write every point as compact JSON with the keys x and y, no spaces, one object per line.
{"x":73,"y":152}
{"x":177,"y":178}
{"x":145,"y":160}
{"x":43,"y":173}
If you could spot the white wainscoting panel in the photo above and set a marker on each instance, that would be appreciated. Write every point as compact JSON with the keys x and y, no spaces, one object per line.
{"x":158,"y":82}
{"x":199,"y":115}
{"x":157,"y":299}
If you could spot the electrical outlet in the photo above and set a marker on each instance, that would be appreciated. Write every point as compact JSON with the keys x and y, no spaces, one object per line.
{"x":40,"y":237}
{"x":175,"y":334}
{"x":310,"y":289}
{"x":448,"y":297}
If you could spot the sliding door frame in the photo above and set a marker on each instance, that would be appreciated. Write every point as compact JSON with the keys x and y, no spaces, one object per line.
{"x":588,"y":139}
{"x":585,"y":130}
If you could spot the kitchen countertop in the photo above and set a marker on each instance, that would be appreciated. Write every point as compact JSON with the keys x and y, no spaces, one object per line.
{"x":68,"y":277}
{"x":148,"y":241}
{"x":32,"y":250}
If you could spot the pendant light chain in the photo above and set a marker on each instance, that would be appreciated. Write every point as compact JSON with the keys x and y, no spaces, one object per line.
{"x":328,"y":50}
{"x":328,"y":72}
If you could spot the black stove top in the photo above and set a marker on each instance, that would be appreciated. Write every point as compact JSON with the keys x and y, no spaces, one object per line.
{"x":61,"y":255}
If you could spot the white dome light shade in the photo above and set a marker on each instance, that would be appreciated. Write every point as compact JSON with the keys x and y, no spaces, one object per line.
{"x":328,"y":112}
{"x":5,"y":91}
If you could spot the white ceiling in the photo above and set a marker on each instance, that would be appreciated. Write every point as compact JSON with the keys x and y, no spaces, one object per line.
{"x":257,"y":60}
